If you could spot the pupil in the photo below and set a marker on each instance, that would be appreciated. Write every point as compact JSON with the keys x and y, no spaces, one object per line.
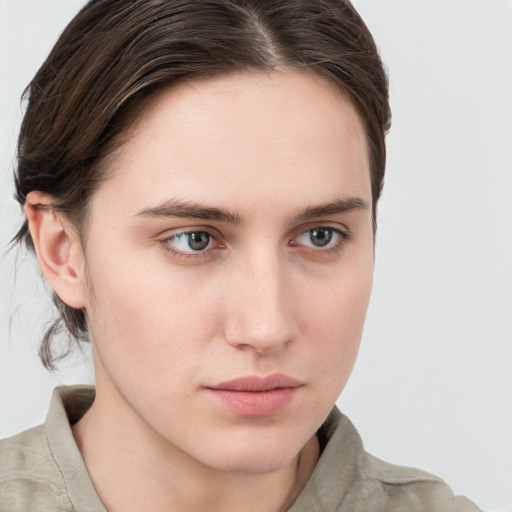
{"x":198,"y":240}
{"x":320,"y":236}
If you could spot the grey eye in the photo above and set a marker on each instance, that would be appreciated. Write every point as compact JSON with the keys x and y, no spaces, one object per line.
{"x":190,"y":241}
{"x":320,"y":237}
{"x":198,"y":240}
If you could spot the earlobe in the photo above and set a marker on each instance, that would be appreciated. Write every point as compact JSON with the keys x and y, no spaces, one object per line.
{"x":58,"y":249}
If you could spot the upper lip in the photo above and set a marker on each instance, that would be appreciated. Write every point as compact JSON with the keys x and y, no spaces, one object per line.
{"x":256,"y":383}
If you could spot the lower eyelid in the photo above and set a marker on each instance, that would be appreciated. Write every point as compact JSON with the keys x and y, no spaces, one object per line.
{"x":177,"y":253}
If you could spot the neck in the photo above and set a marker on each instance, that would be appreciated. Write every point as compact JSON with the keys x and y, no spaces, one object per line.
{"x":133,"y":468}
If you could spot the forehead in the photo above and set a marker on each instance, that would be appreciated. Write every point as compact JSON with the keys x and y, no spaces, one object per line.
{"x":253,"y":134}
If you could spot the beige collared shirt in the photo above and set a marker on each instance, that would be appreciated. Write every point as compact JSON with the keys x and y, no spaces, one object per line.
{"x":41,"y":470}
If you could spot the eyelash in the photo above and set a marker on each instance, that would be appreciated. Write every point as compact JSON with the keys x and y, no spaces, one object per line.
{"x":344,"y":236}
{"x":168,"y":247}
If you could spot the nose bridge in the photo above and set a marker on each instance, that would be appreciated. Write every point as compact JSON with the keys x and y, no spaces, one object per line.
{"x":259,"y":315}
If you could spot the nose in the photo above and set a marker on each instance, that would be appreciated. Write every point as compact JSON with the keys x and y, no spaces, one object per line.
{"x":260,"y":311}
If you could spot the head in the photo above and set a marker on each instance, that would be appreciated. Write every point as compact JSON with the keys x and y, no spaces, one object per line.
{"x":201,"y":182}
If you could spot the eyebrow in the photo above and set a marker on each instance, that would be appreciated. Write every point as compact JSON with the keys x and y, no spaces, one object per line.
{"x":191,"y":210}
{"x":342,"y":205}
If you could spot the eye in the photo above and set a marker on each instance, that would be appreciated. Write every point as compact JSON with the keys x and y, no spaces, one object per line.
{"x":190,"y":241}
{"x":321,"y":237}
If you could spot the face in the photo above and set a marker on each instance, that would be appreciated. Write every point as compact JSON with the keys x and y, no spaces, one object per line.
{"x":229,"y":262}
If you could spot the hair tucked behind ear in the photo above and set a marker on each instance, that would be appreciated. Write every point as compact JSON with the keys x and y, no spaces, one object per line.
{"x":69,"y":322}
{"x":116,"y":54}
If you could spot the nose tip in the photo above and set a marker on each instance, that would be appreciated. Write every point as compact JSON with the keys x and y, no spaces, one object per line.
{"x":262,"y":339}
{"x":260,"y":316}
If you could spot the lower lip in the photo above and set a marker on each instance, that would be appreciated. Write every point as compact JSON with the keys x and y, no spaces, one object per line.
{"x":254,"y":404}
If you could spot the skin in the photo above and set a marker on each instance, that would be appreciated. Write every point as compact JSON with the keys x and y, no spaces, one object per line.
{"x":262,"y":298}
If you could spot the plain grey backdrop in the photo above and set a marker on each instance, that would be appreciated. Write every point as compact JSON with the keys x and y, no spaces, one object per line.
{"x":432,"y":386}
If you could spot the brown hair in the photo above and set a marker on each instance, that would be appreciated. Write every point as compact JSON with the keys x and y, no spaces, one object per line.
{"x":114,"y":56}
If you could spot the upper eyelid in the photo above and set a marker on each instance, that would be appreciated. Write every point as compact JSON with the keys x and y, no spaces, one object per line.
{"x":169,"y":233}
{"x":340,"y":228}
{"x":344,"y":235}
{"x":189,"y":231}
{"x":342,"y":232}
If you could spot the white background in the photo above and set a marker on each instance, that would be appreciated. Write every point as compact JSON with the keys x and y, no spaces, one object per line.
{"x":433,"y":383}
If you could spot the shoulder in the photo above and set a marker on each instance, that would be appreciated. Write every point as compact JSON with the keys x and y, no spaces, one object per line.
{"x":29,"y":476}
{"x":401,"y":488}
{"x":349,"y":479}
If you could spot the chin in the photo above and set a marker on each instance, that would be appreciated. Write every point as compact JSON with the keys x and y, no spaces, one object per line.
{"x":253,"y":463}
{"x":255,"y":458}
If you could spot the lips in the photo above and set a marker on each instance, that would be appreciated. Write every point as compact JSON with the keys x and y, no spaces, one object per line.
{"x":254,"y":396}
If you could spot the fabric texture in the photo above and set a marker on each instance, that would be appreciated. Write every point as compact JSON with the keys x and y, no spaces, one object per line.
{"x":41,"y":470}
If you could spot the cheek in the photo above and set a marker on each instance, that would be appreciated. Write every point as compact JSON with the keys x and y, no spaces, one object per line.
{"x":333,"y":318}
{"x":147,"y":323}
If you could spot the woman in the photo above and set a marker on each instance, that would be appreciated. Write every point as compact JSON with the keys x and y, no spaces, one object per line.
{"x":200,"y":182}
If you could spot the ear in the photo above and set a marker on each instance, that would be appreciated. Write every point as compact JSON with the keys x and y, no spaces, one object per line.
{"x":58,"y":248}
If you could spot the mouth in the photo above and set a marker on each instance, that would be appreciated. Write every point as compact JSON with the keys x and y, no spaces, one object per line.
{"x":254,"y":396}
